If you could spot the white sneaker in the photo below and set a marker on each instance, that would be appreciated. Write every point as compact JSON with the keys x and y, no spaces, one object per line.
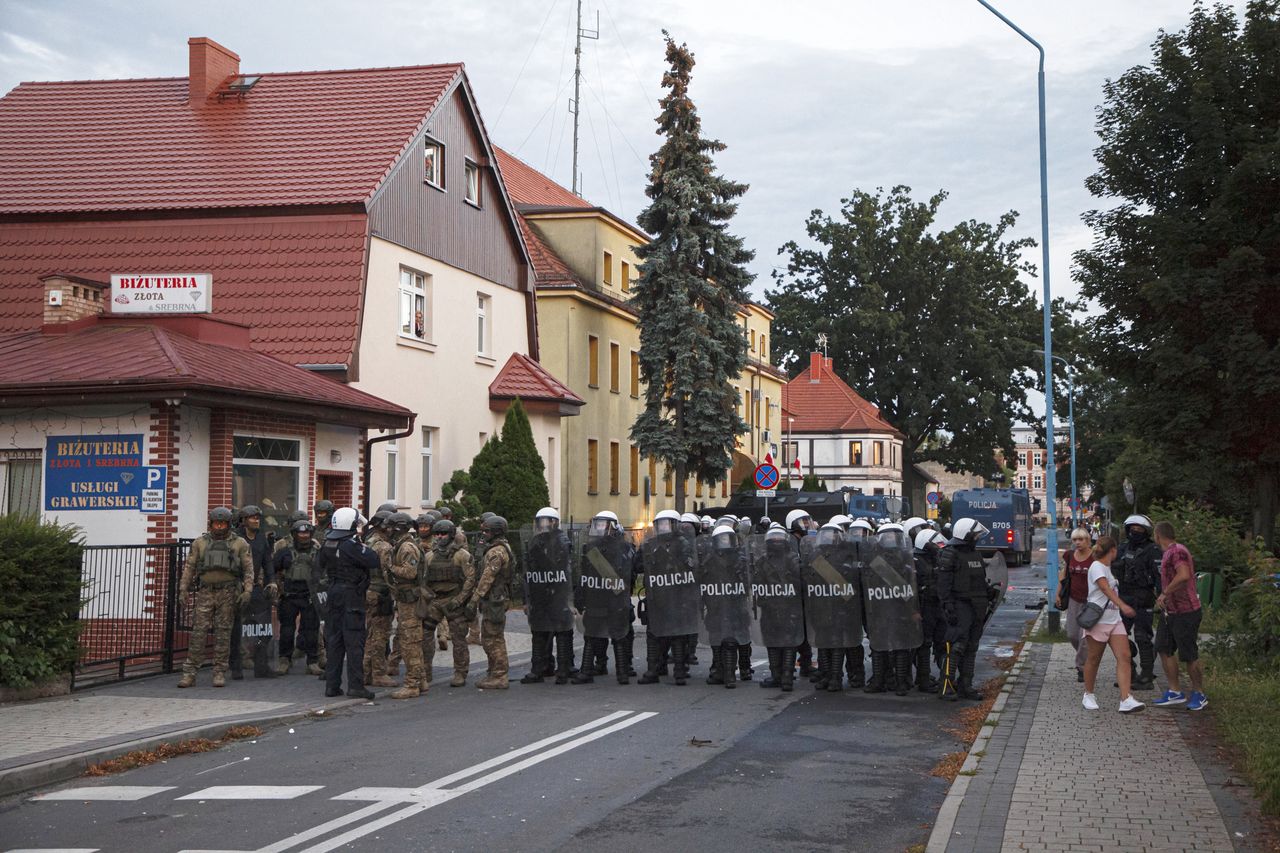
{"x":1090,"y":702}
{"x":1129,"y":706}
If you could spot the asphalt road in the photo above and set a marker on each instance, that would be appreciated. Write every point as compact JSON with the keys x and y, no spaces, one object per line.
{"x":598,"y":767}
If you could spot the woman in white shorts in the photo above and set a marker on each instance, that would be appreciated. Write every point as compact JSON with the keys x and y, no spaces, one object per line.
{"x":1109,"y":630}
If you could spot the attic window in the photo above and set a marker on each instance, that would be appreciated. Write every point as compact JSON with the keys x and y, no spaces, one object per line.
{"x":243,"y":84}
{"x":433,"y":164}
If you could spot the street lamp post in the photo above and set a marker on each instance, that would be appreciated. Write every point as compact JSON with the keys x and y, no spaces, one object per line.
{"x":1051,"y":546}
{"x":1071,"y":422}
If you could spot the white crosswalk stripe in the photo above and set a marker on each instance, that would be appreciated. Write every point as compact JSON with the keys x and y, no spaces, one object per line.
{"x":104,"y":793}
{"x":252,"y":792}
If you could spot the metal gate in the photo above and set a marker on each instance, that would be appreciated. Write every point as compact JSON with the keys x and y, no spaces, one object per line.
{"x":131,"y":621}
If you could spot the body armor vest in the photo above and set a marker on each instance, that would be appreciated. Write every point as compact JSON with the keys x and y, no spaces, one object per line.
{"x":217,"y":563}
{"x":303,"y":562}
{"x":442,"y":569}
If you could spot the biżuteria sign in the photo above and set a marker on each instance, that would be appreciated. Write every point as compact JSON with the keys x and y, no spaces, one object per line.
{"x":100,"y":472}
{"x":163,"y":293}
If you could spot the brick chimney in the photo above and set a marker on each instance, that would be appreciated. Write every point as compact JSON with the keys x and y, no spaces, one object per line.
{"x":210,"y":65}
{"x":816,"y":365}
{"x":68,"y":298}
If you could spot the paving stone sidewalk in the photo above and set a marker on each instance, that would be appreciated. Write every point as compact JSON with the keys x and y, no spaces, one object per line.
{"x":1060,"y":779}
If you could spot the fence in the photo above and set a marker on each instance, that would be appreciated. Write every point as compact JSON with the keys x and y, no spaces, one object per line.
{"x":132,"y":623}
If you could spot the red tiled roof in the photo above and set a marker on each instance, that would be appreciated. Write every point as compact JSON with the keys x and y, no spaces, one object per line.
{"x":305,"y":138}
{"x":820,"y":401}
{"x":116,"y":356}
{"x":527,"y":186}
{"x":523,"y":377}
{"x":548,"y":267}
{"x":268,"y":272}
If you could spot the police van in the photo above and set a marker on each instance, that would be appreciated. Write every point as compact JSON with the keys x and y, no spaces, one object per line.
{"x":1006,"y":513}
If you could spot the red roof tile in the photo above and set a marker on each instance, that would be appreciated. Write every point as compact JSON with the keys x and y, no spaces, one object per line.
{"x":115,"y":356}
{"x":820,"y":401}
{"x":267,"y":272}
{"x":523,"y":377}
{"x":527,"y":186}
{"x":315,"y":137}
{"x":548,"y":267}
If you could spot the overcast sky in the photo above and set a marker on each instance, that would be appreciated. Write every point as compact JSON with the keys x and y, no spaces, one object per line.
{"x":813,"y":99}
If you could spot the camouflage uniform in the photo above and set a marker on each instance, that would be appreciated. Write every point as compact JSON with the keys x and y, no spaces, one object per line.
{"x":224,"y":569}
{"x":473,"y":625}
{"x":451,"y":578}
{"x":405,"y":575}
{"x":491,"y":602}
{"x":379,"y":608}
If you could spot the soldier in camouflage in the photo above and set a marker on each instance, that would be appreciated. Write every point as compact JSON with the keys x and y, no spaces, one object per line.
{"x":378,"y":603}
{"x":220,"y":562}
{"x":425,"y":522}
{"x":451,"y":578}
{"x":490,"y":601}
{"x":405,"y":574}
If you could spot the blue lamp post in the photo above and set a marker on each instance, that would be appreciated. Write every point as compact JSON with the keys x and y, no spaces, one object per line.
{"x":1051,"y":546}
{"x":1071,"y":421}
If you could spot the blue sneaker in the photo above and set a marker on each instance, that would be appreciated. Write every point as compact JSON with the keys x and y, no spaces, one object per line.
{"x":1198,"y":702}
{"x":1170,"y":698}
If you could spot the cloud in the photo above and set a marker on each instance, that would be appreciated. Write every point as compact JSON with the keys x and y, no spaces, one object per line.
{"x":33,"y":49}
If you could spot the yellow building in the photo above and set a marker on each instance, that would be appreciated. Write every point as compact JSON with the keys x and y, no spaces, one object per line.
{"x":584,"y":262}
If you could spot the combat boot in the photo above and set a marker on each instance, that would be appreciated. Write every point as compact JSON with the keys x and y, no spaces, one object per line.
{"x":459,"y":679}
{"x":629,"y":645}
{"x":219,"y":679}
{"x":383,"y":681}
{"x":788,"y":669}
{"x":621,"y":664}
{"x":902,"y":669}
{"x":492,"y":682}
{"x":653,"y":660}
{"x":586,"y":675}
{"x":691,"y":650}
{"x":282,"y":665}
{"x":948,"y":670}
{"x":680,"y":660}
{"x":188,"y":680}
{"x":968,"y":664}
{"x":856,"y":667}
{"x":835,"y":677}
{"x":315,"y":669}
{"x":824,"y":670}
{"x":925,"y":682}
{"x":879,"y":671}
{"x":774,"y":678}
{"x":713,"y":671}
{"x":745,"y":670}
{"x":728,"y":661}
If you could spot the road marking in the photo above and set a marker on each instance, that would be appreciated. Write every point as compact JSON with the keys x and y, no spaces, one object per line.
{"x":104,"y":793}
{"x":252,"y":792}
{"x":55,"y":850}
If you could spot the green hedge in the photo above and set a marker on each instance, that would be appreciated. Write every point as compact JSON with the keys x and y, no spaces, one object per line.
{"x":40,"y":592}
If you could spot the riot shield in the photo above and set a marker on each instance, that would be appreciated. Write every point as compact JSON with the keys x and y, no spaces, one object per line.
{"x":724,"y":577}
{"x":775,"y":588}
{"x":548,"y":582}
{"x":997,"y":583}
{"x":890,"y":596}
{"x":833,"y":602}
{"x":258,"y":635}
{"x":605,"y":580}
{"x":673,"y":599}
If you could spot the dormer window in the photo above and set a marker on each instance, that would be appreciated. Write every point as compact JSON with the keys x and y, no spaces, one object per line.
{"x":472,"y":172}
{"x":433,"y":164}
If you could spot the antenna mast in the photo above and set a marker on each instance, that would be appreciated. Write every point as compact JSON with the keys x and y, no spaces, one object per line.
{"x":577,"y":85}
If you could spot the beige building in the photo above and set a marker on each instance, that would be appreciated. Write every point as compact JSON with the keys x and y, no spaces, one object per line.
{"x":584,"y":262}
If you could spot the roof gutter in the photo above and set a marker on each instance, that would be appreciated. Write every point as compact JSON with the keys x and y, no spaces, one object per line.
{"x":368,"y":456}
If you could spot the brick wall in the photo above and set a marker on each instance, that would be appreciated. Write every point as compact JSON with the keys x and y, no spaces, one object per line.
{"x":339,"y":486}
{"x":224,"y":424}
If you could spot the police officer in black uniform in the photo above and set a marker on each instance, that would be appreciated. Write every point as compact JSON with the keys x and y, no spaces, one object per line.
{"x":1137,"y":569}
{"x":347,"y":563}
{"x":293,"y":565}
{"x":963,"y":597}
{"x":928,"y":544}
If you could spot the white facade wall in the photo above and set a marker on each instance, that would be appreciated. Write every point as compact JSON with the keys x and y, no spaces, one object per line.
{"x":827,"y":457}
{"x":193,"y":471}
{"x":445,"y":380}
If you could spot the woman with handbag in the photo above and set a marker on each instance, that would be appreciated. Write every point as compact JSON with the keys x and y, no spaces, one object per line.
{"x":1073,"y":591}
{"x":1100,"y":618}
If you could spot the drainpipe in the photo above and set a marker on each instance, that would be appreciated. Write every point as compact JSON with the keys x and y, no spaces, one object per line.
{"x":368,"y":457}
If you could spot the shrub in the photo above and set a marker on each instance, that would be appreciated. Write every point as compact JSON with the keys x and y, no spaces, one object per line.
{"x":40,"y":592}
{"x":1215,"y":542}
{"x":1246,"y":630}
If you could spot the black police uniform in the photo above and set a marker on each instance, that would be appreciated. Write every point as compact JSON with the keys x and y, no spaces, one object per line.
{"x":962,"y":595}
{"x":933,"y":626}
{"x":1137,"y":570}
{"x":295,"y":602}
{"x":347,"y":563}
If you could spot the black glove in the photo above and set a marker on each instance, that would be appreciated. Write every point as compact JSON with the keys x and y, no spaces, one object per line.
{"x":470,"y":609}
{"x":949,"y":613}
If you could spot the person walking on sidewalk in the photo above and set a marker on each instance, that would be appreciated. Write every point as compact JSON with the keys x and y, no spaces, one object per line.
{"x":1075,"y":569}
{"x":1179,"y":608}
{"x":1108,"y":630}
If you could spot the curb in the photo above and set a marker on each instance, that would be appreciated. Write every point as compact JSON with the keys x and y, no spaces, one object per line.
{"x":51,"y":771}
{"x":940,"y":837}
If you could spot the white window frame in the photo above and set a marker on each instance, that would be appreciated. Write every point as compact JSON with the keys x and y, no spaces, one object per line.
{"x":437,"y":161}
{"x":23,"y":455}
{"x":408,"y":293}
{"x":471,"y":181}
{"x":393,"y":471}
{"x":1037,"y":482}
{"x":274,"y":463}
{"x":428,"y":439}
{"x":484,"y":324}
{"x":1036,"y":459}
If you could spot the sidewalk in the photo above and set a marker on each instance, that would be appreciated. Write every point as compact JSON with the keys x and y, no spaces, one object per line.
{"x":50,"y":740}
{"x":1055,"y":777}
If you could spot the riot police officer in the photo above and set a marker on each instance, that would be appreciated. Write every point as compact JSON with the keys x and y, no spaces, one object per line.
{"x":348,"y":564}
{"x":928,"y":543}
{"x":548,"y":595}
{"x":220,"y":562}
{"x":964,"y":600}
{"x":775,"y":583}
{"x":294,"y":565}
{"x":672,"y":600}
{"x":490,"y":601}
{"x":265,"y":592}
{"x":799,"y":523}
{"x":603,"y":596}
{"x":1137,"y":569}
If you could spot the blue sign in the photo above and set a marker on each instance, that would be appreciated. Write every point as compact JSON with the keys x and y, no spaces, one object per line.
{"x":94,"y":472}
{"x":154,"y":480}
{"x":766,"y":476}
{"x":934,"y":498}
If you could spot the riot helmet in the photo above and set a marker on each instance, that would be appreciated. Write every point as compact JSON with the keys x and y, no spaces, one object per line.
{"x":912,"y":526}
{"x":323,"y":512}
{"x":1138,"y":529}
{"x":665,"y":522}
{"x":548,"y":518}
{"x":928,"y":537}
{"x":344,"y":522}
{"x":777,"y":537}
{"x":892,"y":536}
{"x":724,"y":538}
{"x":690,"y":524}
{"x":603,"y":523}
{"x":843,"y":520}
{"x":798,"y":521}
{"x":830,"y":534}
{"x":219,"y":522}
{"x":707,"y":523}
{"x":861,"y":529}
{"x":968,"y":530}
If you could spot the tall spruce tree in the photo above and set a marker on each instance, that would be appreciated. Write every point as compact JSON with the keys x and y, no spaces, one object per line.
{"x":484,"y":470}
{"x":519,"y":476}
{"x":692,"y":281}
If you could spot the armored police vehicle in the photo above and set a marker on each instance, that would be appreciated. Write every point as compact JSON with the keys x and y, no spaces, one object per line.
{"x":1006,"y":513}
